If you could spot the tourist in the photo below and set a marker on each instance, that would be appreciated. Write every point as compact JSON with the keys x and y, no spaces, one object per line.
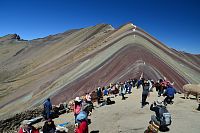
{"x":77,"y":106}
{"x":145,"y":93}
{"x":47,"y":108}
{"x":27,"y":128}
{"x":49,"y":126}
{"x":81,"y":125}
{"x":169,"y":93}
{"x":123,"y":91}
{"x":162,"y":117}
{"x":99,"y":95}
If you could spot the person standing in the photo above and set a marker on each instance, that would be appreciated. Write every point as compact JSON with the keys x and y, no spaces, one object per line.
{"x":77,"y":106}
{"x":123,"y":91}
{"x":99,"y":95}
{"x":145,"y":93}
{"x":47,"y":108}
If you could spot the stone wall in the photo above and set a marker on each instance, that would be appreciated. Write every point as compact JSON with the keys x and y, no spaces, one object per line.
{"x":12,"y":124}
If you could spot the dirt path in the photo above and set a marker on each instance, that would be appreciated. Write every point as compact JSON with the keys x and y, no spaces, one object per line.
{"x":127,"y":116}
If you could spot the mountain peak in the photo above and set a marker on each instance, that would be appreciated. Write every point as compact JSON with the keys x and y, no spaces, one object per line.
{"x":10,"y":37}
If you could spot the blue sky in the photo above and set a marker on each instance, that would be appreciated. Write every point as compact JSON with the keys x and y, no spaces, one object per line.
{"x":176,"y":23}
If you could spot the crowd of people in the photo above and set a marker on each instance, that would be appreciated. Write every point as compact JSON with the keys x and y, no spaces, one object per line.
{"x":82,"y":106}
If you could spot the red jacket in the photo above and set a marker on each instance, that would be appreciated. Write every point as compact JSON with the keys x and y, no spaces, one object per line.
{"x":77,"y":109}
{"x":33,"y":130}
{"x":82,"y":128}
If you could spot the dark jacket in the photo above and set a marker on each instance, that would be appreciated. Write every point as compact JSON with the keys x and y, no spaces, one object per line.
{"x":145,"y":89}
{"x":156,"y":110}
{"x":49,"y":128}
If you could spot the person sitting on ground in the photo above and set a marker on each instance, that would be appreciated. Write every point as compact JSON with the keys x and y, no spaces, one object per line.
{"x":27,"y":128}
{"x":169,"y":93}
{"x":145,"y":93}
{"x":49,"y":127}
{"x":77,"y":106}
{"x":109,"y":102}
{"x":47,"y":108}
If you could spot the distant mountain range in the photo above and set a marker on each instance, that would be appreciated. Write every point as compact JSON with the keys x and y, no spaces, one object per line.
{"x":68,"y":64}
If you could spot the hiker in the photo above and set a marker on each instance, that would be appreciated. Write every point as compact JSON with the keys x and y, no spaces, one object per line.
{"x":77,"y":106}
{"x":27,"y":128}
{"x":129,"y":87}
{"x":112,"y":90}
{"x":105,"y":91}
{"x":151,"y":85}
{"x":134,"y":82}
{"x":145,"y":93}
{"x":47,"y":108}
{"x":162,"y":88}
{"x":169,"y":93}
{"x":123,"y":91}
{"x":49,"y":127}
{"x":99,"y":95}
{"x":157,"y":85}
{"x":140,"y":82}
{"x":81,"y":125}
{"x":88,"y":98}
{"x":126,"y":87}
{"x":162,"y":117}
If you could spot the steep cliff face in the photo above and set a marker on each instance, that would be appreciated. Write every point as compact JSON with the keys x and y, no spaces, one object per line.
{"x":69,"y":64}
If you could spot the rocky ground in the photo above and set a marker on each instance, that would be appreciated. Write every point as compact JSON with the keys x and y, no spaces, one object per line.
{"x":12,"y":124}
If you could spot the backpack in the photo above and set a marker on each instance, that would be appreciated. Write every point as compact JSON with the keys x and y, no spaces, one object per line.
{"x":165,"y":116}
{"x":81,"y":116}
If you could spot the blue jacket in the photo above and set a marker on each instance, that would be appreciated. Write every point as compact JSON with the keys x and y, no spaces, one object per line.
{"x":47,"y":106}
{"x":81,"y":116}
{"x":170,"y":91}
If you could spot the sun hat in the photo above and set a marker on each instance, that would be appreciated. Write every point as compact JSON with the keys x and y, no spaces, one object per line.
{"x":77,"y":99}
{"x":159,"y":102}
